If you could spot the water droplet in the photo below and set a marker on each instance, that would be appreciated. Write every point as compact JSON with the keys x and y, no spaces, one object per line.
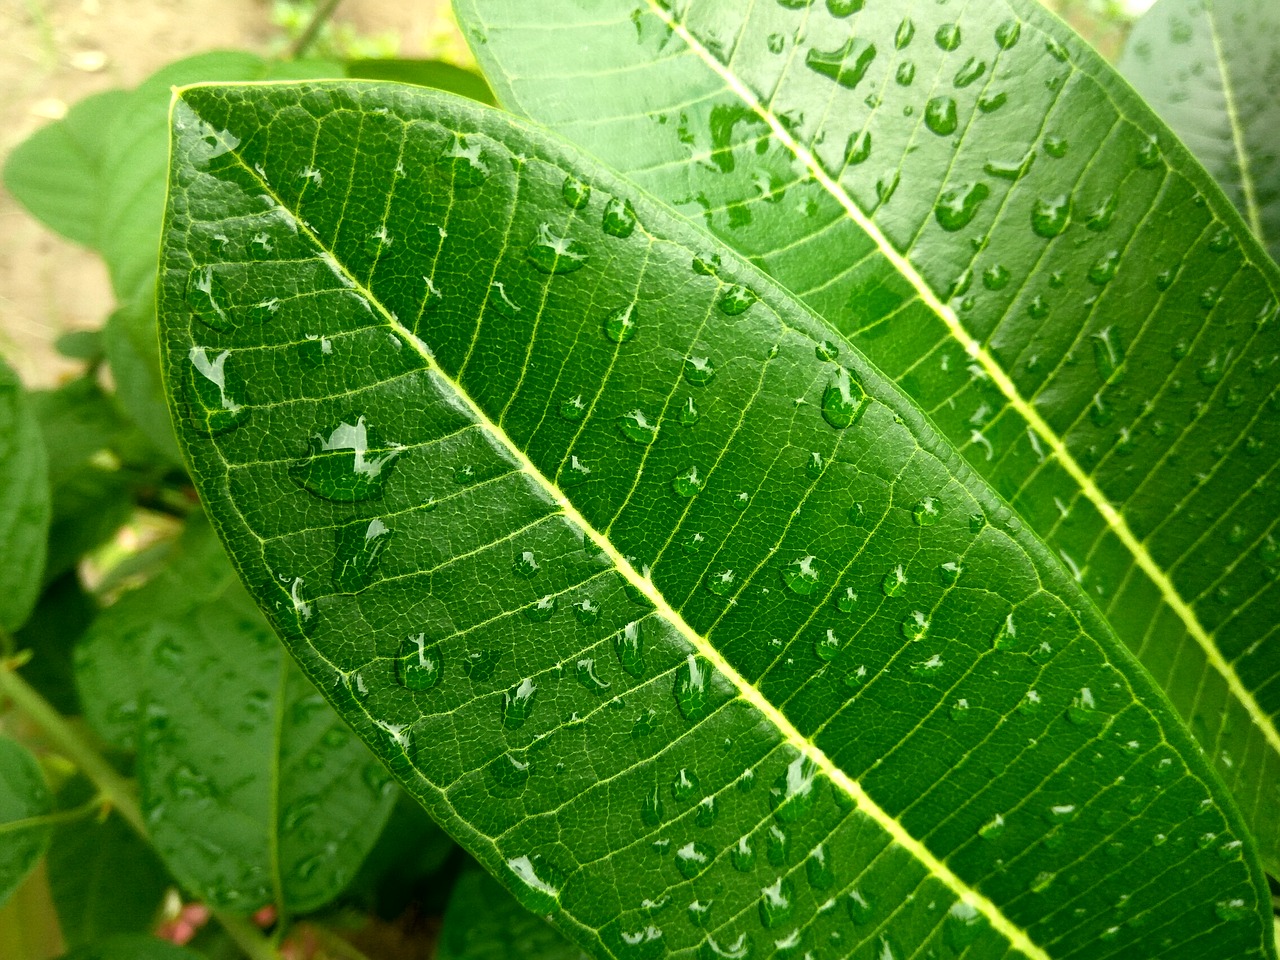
{"x":1056,"y":146}
{"x":964,"y":924}
{"x":802,"y":575}
{"x":526,"y":564}
{"x":635,"y":426}
{"x":1231,"y":910}
{"x":940,"y":116}
{"x":738,"y":948}
{"x":1011,"y":169}
{"x":1006,"y":635}
{"x":686,"y":785}
{"x":916,"y":625}
{"x":1083,"y":711}
{"x":689,"y":412}
{"x":887,"y":186}
{"x":1211,"y":371}
{"x":858,"y":149}
{"x":818,"y":868}
{"x":992,"y":829}
{"x":699,"y":370}
{"x":827,"y":646}
{"x":586,"y":610}
{"x":509,"y":774}
{"x":1050,"y":216}
{"x":629,"y":645}
{"x":692,"y":688}
{"x":905,"y":34}
{"x":926,"y":512}
{"x":860,"y":906}
{"x":585,"y":671}
{"x":1008,"y":34}
{"x":972,"y":71}
{"x":843,"y":8}
{"x":542,"y":610}
{"x":573,"y":409}
{"x":844,"y":401}
{"x":743,"y":855}
{"x":213,"y":405}
{"x":419,"y":667}
{"x":846,"y":600}
{"x":652,"y":811}
{"x":777,"y":846}
{"x":776,"y":903}
{"x":1104,"y":268}
{"x":359,"y":547}
{"x":619,"y":218}
{"x":536,"y":884}
{"x":208,"y":299}
{"x":723,"y":583}
{"x":948,"y":37}
{"x":517,"y":703}
{"x":576,"y":193}
{"x":1222,"y":241}
{"x":700,"y":913}
{"x":736,"y":300}
{"x":688,"y":483}
{"x":553,"y":254}
{"x":622,"y":325}
{"x":792,"y":794}
{"x":466,"y":162}
{"x":957,"y":207}
{"x":693,"y":858}
{"x":894,"y":582}
{"x":1103,"y":214}
{"x":479,"y":665}
{"x":704,"y":814}
{"x":1149,"y":154}
{"x":847,"y":65}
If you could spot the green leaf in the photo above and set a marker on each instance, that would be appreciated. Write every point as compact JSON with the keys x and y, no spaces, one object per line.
{"x":410,"y":850}
{"x":484,"y":922}
{"x":130,"y":341}
{"x":1212,"y":71}
{"x":1055,"y":281}
{"x":133,"y":947}
{"x":105,"y":880}
{"x":59,"y":620}
{"x":24,"y":805}
{"x":57,"y":172}
{"x":254,"y":791}
{"x":786,"y":651}
{"x":24,"y":493}
{"x":424,"y":73}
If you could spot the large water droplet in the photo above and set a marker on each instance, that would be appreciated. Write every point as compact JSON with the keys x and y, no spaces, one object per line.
{"x":635,"y":426}
{"x":213,"y":403}
{"x":894,"y":582}
{"x":844,"y":401}
{"x":792,"y":794}
{"x":419,"y":665}
{"x":736,"y":300}
{"x":686,"y":785}
{"x":576,"y":193}
{"x":1104,"y":268}
{"x":619,"y":218}
{"x":843,"y":8}
{"x":940,"y":116}
{"x":802,"y":575}
{"x":342,"y":466}
{"x":827,"y":646}
{"x":688,"y":483}
{"x":906,"y":74}
{"x":622,"y":325}
{"x":466,"y":162}
{"x":776,"y":903}
{"x":964,"y":924}
{"x":517,"y":703}
{"x":693,"y":688}
{"x":553,"y":254}
{"x":699,"y":370}
{"x":537,"y":884}
{"x":847,"y":65}
{"x":916,"y":625}
{"x":958,"y":206}
{"x":693,"y":858}
{"x":818,"y":868}
{"x":1050,"y":216}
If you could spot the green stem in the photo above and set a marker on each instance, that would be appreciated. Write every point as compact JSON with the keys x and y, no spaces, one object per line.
{"x":324,"y":10}
{"x":113,"y":789}
{"x":58,"y":816}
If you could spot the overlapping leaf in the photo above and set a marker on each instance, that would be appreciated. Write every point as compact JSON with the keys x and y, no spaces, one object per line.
{"x":483,"y":922}
{"x":973,"y":197}
{"x":254,"y":792}
{"x":1212,"y":71}
{"x":670,"y":607}
{"x":24,"y":503}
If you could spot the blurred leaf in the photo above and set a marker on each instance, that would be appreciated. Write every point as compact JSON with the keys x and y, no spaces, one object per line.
{"x":130,"y":340}
{"x":81,"y":345}
{"x":484,"y":922}
{"x":57,"y":172}
{"x":424,"y":73}
{"x":105,"y":879}
{"x":410,"y":850}
{"x":1212,"y":72}
{"x":63,"y":614}
{"x":23,"y":797}
{"x":254,"y":791}
{"x":133,"y":947}
{"x":24,"y":502}
{"x":92,"y":497}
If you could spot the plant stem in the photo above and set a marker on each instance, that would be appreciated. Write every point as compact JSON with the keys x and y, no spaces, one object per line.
{"x":95,"y":805}
{"x":324,"y":10}
{"x":113,"y":789}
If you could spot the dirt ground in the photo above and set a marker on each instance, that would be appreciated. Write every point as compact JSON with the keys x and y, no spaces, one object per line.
{"x":54,"y":52}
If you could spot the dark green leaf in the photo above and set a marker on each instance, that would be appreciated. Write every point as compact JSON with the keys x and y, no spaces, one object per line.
{"x":411,"y":849}
{"x":57,"y":172}
{"x":130,"y":339}
{"x":24,"y":503}
{"x":133,"y":947}
{"x":999,"y":224}
{"x":105,"y":880}
{"x":81,"y":345}
{"x":24,"y":803}
{"x":254,"y":791}
{"x":1212,"y":71}
{"x":424,"y":73}
{"x":446,"y":433}
{"x":484,"y":922}
{"x":59,"y":620}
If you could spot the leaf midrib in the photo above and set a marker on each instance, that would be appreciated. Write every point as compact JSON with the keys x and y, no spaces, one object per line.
{"x":977,"y":352}
{"x":1017,"y":937}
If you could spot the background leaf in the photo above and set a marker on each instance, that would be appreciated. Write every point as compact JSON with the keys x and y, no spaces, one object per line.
{"x":1212,"y":71}
{"x":24,"y":798}
{"x":484,"y":922}
{"x":986,"y":210}
{"x":424,"y":73}
{"x":254,"y":791}
{"x":133,"y":947}
{"x":24,"y":503}
{"x":622,"y":652}
{"x":129,"y":339}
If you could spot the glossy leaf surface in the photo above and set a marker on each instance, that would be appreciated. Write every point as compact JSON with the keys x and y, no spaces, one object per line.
{"x":254,"y":791}
{"x":1003,"y":228}
{"x":24,"y":806}
{"x":672,"y":609}
{"x":484,"y":922}
{"x":24,"y":502}
{"x":1212,"y":71}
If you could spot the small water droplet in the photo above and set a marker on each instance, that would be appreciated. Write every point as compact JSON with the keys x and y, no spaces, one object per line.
{"x":622,"y":325}
{"x":629,"y":645}
{"x":542,"y":610}
{"x":948,"y":37}
{"x":916,"y":625}
{"x":585,"y":671}
{"x":686,"y":785}
{"x":509,"y":774}
{"x":1104,"y":268}
{"x":957,"y":207}
{"x":536,"y":884}
{"x":479,"y":665}
{"x":1008,"y":34}
{"x":419,"y":666}
{"x":940,"y":116}
{"x":526,"y":564}
{"x":964,"y":924}
{"x":574,"y":472}
{"x":575,"y":193}
{"x":1150,"y":155}
{"x":846,"y":600}
{"x":1056,"y":147}
{"x":553,"y":254}
{"x":894,"y":582}
{"x":827,"y":646}
{"x":861,"y":908}
{"x":693,"y":858}
{"x":208,"y":299}
{"x":843,"y":401}
{"x":802,"y":575}
{"x":699,"y":370}
{"x":1083,"y":711}
{"x":693,"y":688}
{"x":792,"y":794}
{"x":213,"y":403}
{"x":517,"y":703}
{"x":743,"y":855}
{"x":1231,"y":910}
{"x":972,"y":71}
{"x":819,"y":870}
{"x":992,"y":829}
{"x":586,"y":610}
{"x":635,"y":426}
{"x":573,"y":409}
{"x":776,"y":903}
{"x":704,"y":814}
{"x":847,"y":65}
{"x":844,"y":8}
{"x":688,"y":483}
{"x":858,"y":149}
{"x":736,"y":300}
{"x":1050,"y":216}
{"x":466,"y":162}
{"x":619,"y":218}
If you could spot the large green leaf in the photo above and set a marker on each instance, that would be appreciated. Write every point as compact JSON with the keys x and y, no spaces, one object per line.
{"x":254,"y":791}
{"x":664,"y":601}
{"x":484,"y":922}
{"x":1211,"y":68}
{"x":24,"y":503}
{"x":989,"y":213}
{"x":24,"y":807}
